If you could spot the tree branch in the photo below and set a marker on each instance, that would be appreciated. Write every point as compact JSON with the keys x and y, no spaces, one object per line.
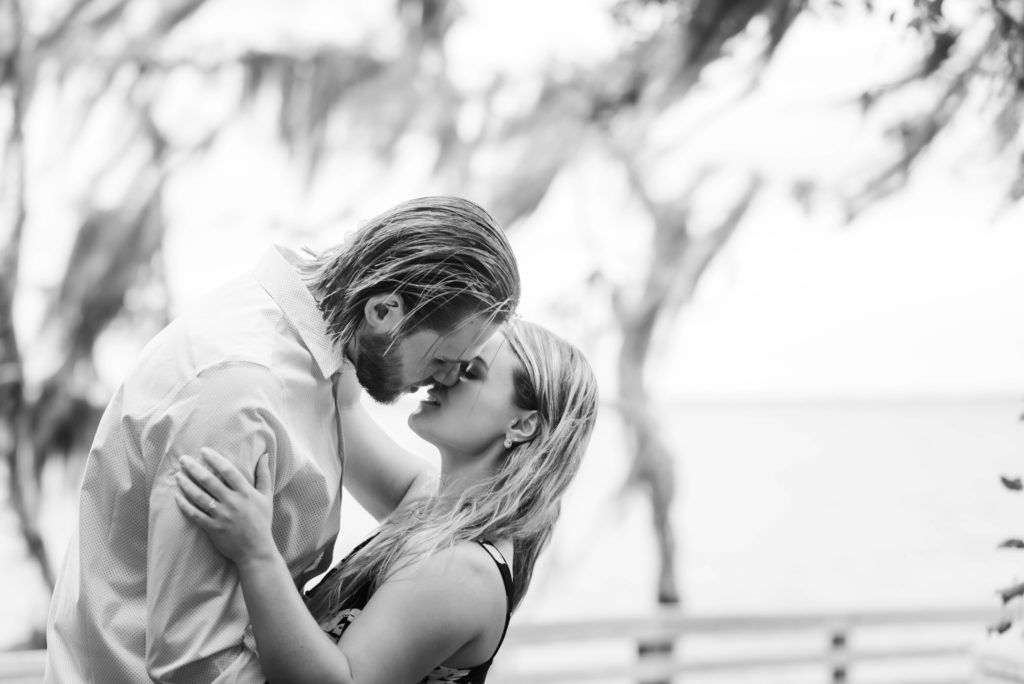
{"x":1010,"y":593}
{"x":55,"y":34}
{"x":917,"y":136}
{"x":12,"y":194}
{"x":703,"y":250}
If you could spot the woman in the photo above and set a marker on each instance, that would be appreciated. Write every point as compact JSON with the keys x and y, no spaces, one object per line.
{"x":427,"y":598}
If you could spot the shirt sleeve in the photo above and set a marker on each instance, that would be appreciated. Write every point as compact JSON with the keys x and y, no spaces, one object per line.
{"x":196,"y":615}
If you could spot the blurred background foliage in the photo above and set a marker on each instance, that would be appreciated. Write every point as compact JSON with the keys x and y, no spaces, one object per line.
{"x":103,"y":81}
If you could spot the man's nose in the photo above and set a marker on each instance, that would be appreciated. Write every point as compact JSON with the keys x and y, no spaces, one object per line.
{"x":447,"y":375}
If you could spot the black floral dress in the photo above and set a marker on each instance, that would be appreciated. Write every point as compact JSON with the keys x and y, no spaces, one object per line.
{"x":336,"y":624}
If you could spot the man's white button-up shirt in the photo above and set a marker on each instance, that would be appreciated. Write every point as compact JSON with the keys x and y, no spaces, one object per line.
{"x":143,"y":595}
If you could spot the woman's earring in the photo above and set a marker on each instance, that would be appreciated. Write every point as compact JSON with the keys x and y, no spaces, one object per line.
{"x":508,"y":442}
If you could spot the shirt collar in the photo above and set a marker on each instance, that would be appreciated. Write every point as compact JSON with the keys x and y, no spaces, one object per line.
{"x":277,"y":273}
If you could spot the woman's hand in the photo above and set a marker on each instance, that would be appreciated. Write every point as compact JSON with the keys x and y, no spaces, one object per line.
{"x":235,"y":515}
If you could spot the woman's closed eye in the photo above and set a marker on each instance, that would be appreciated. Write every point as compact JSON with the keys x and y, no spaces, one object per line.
{"x":470,"y":371}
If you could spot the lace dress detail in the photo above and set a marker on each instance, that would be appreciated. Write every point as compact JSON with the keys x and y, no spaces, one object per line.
{"x":336,"y":625}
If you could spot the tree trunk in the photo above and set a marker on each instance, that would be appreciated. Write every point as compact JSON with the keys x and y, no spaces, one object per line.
{"x":12,"y":397}
{"x":653,"y":466}
{"x":678,"y":265}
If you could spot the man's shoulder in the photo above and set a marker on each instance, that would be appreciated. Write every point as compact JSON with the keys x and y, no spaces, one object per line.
{"x":236,"y":321}
{"x":232,"y":337}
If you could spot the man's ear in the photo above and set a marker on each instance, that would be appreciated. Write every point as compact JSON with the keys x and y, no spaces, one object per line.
{"x":524,"y":428}
{"x":383,"y":313}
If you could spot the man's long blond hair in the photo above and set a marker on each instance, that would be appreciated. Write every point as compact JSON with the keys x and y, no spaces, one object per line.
{"x":521,"y":501}
{"x":445,"y":256}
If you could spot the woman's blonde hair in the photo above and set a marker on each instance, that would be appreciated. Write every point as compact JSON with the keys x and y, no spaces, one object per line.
{"x":521,"y":501}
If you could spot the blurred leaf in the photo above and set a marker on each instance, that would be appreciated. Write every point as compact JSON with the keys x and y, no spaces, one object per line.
{"x":686,"y":37}
{"x":431,"y":19}
{"x":111,"y":248}
{"x":618,"y":85}
{"x":805,"y":192}
{"x":914,"y":136}
{"x":109,"y":17}
{"x":1010,"y":593}
{"x":781,"y":16}
{"x":942,"y":47}
{"x":378,"y":100}
{"x":531,"y":152}
{"x":1012,"y":544}
{"x":1003,"y":49}
{"x":1008,"y":121}
{"x":314,"y":87}
{"x":1011,"y":31}
{"x":63,"y":24}
{"x":712,"y":23}
{"x":1014,"y":483}
{"x":1001,"y":626}
{"x":61,"y":421}
{"x":1016,"y":190}
{"x":173,"y":16}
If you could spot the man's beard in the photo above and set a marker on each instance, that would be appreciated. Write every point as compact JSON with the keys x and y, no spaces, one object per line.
{"x":378,"y":370}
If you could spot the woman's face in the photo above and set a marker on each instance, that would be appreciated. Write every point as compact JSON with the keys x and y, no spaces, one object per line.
{"x":475,"y":412}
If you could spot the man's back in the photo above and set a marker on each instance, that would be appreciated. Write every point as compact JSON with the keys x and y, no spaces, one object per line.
{"x":142,"y":595}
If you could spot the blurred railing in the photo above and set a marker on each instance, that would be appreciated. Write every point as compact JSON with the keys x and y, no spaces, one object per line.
{"x":926,"y":646}
{"x":657,"y":647}
{"x":22,"y":667}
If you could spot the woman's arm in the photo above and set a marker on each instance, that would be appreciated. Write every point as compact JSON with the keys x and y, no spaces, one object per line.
{"x":419,"y":617}
{"x":291,"y":646}
{"x":379,"y":473}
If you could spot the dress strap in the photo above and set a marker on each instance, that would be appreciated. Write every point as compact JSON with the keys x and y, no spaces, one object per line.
{"x":506,"y":578}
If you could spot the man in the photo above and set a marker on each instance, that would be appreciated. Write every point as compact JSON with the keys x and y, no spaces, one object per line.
{"x":142,"y":594}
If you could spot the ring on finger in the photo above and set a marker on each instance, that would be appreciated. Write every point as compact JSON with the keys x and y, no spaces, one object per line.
{"x":212,"y":506}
